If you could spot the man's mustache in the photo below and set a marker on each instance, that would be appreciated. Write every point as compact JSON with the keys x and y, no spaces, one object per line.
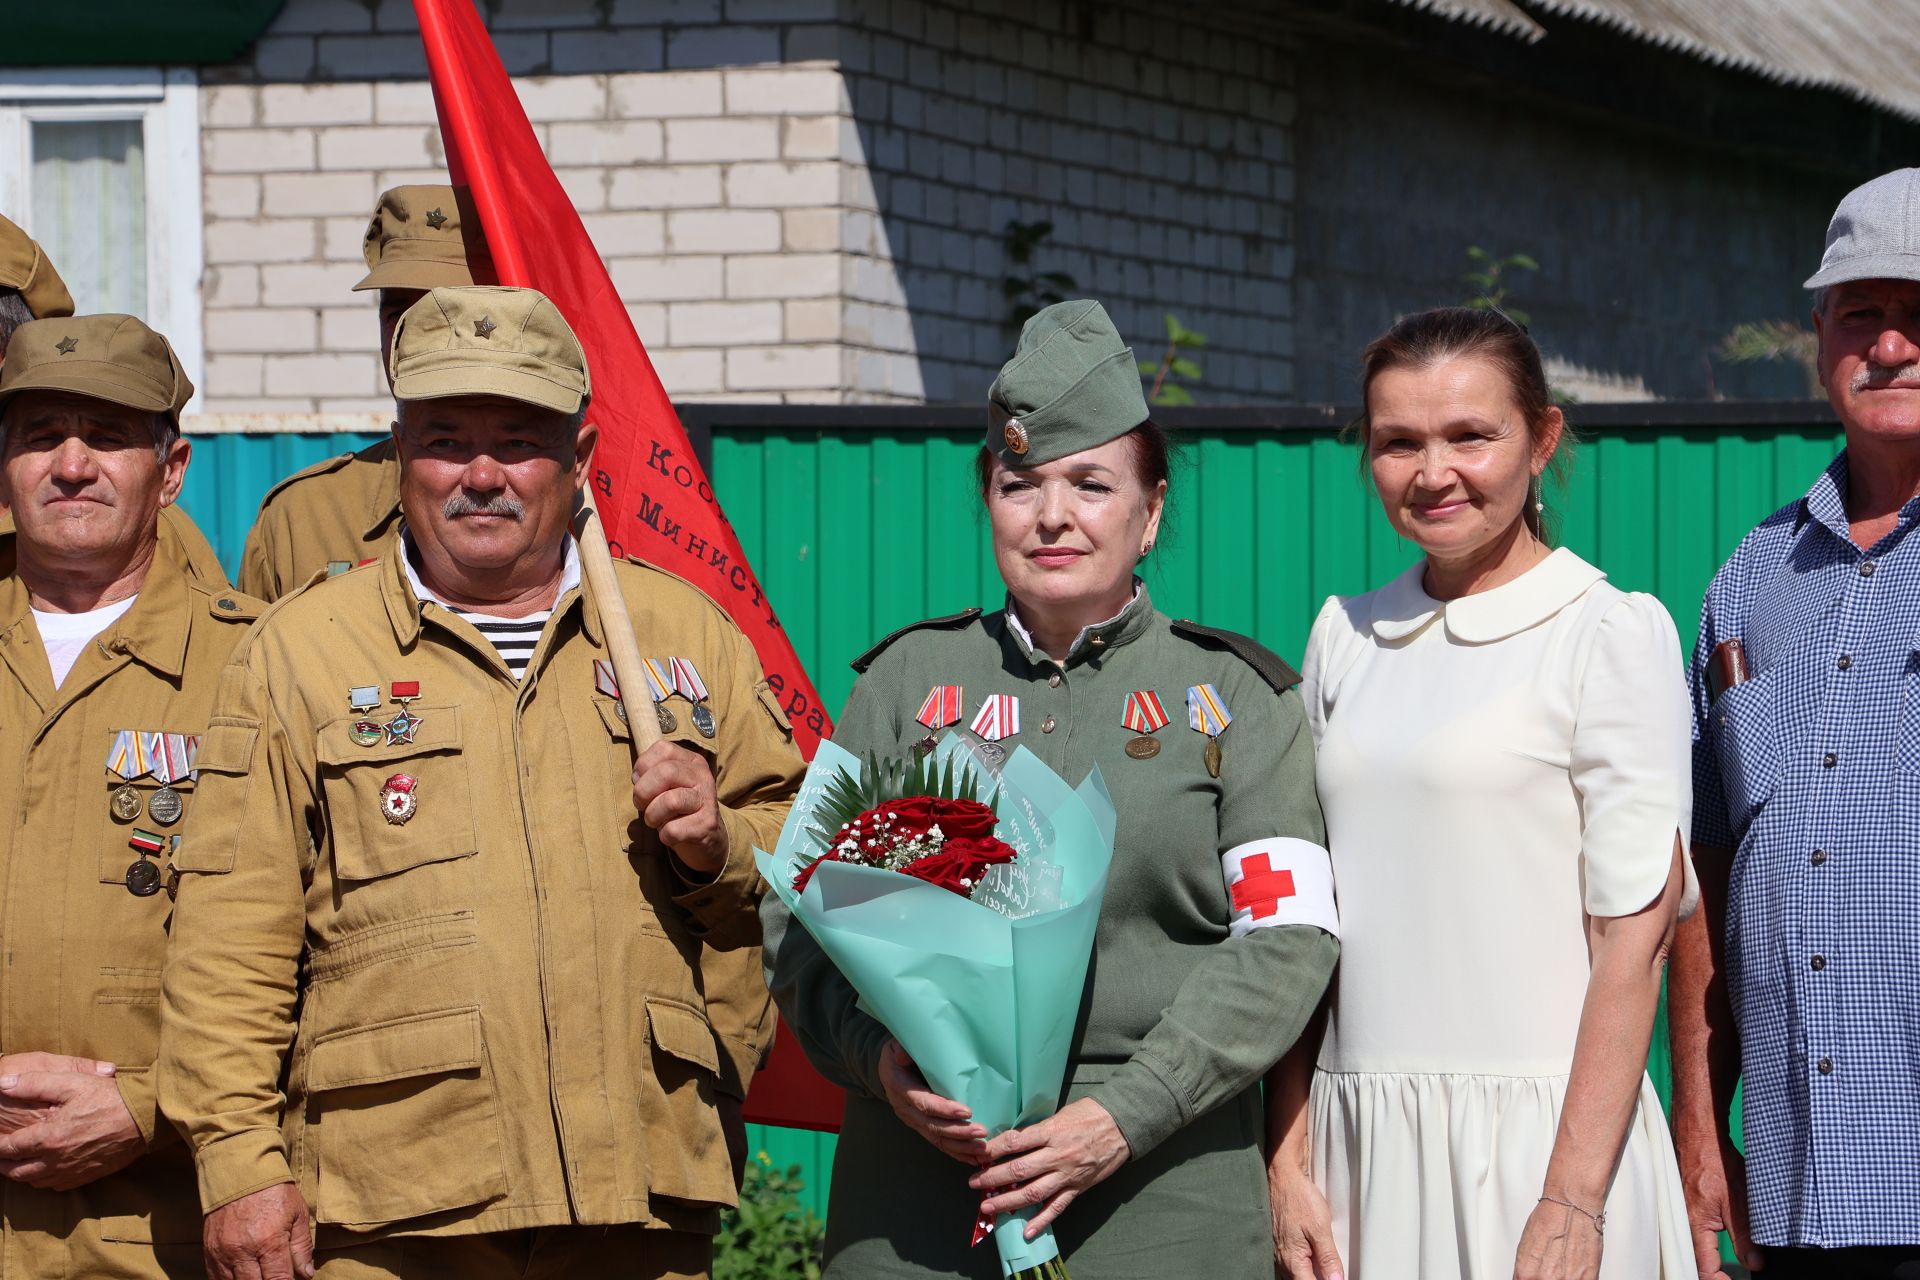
{"x":1880,"y":377}
{"x":501,"y":504}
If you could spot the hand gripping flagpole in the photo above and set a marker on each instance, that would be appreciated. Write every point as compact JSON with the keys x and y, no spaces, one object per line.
{"x":616,"y":624}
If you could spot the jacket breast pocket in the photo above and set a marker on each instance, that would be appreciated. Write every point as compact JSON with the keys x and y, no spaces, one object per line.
{"x":1746,"y":736}
{"x":406,"y":1120}
{"x":393,"y":805}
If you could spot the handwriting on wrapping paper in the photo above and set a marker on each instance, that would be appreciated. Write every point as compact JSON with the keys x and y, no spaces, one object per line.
{"x":1020,"y":888}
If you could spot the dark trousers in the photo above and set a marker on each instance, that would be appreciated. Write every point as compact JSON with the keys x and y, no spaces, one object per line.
{"x":1893,"y":1262}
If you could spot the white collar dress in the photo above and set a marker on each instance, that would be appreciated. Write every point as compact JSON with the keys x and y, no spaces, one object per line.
{"x":1493,"y":770}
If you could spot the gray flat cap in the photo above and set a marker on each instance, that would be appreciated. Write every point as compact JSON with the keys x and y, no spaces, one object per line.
{"x":1875,"y":233}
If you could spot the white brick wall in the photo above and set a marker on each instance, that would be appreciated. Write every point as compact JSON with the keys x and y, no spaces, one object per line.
{"x":798,"y":199}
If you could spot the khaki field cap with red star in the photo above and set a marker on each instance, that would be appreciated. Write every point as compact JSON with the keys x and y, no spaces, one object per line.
{"x":107,"y":357}
{"x":415,"y":241}
{"x":489,"y":340}
{"x":25,"y":268}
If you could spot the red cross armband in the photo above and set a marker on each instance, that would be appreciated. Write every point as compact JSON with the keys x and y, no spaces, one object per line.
{"x":1280,"y":880}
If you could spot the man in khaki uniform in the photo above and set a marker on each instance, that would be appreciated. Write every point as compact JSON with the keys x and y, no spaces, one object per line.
{"x":337,"y":513}
{"x":110,"y":653}
{"x":433,"y":897}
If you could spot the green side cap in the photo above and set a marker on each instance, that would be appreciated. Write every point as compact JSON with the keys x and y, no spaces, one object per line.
{"x":1072,"y":385}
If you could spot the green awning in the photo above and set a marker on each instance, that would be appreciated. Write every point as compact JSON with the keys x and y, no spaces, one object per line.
{"x":139,"y":32}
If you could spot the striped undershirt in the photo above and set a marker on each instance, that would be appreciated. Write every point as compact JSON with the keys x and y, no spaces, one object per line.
{"x":515,"y":638}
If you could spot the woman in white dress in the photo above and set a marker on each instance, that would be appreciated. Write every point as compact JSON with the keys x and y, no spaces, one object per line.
{"x":1503,"y":761}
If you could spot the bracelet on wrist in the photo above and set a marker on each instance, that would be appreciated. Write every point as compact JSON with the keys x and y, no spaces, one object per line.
{"x":1599,"y":1220}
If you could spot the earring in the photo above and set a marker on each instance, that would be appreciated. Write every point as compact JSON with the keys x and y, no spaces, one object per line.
{"x":1146,"y":551}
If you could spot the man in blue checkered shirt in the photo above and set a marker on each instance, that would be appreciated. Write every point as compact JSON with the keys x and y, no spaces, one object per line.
{"x":1803,"y":974}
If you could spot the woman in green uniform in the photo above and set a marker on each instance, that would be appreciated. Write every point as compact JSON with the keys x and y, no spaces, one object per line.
{"x":1217,"y":936}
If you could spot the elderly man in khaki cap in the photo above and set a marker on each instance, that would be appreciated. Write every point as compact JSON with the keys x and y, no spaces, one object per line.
{"x":338,"y":512}
{"x":434,"y":898}
{"x":110,"y":652}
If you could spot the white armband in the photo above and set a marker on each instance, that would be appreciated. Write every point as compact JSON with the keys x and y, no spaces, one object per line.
{"x":1280,"y":880}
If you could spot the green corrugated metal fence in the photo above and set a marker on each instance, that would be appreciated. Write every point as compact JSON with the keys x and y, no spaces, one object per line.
{"x":869,"y":522}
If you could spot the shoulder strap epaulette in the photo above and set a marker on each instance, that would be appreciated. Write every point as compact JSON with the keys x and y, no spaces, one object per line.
{"x":320,"y":468}
{"x":232,"y":606}
{"x":1273,"y":668}
{"x":949,"y":623}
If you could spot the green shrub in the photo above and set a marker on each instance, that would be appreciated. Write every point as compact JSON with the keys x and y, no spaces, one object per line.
{"x":771,"y":1236}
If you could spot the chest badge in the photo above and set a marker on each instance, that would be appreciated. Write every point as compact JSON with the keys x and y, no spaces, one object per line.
{"x":1207,"y":713}
{"x":397,"y":798}
{"x":401,"y":728}
{"x":941,"y":708}
{"x":1145,"y":716}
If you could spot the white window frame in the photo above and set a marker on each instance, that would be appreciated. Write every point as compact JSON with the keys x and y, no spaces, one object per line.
{"x":167,"y":103}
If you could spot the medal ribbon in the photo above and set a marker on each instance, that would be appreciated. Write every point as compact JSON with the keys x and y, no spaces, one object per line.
{"x":603,"y":678}
{"x":120,"y":756}
{"x":1206,"y":712}
{"x":686,"y":680}
{"x":1144,"y":714}
{"x":659,"y":679}
{"x":941,"y":708}
{"x":998,"y":717}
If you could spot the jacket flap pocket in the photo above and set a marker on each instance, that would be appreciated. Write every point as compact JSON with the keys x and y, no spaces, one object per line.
{"x":227,"y":748}
{"x":614,"y":714}
{"x":683,"y":1033}
{"x":437,"y":729}
{"x":427,"y":1044}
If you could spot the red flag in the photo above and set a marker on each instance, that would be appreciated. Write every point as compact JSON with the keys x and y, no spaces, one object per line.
{"x":653,"y":494}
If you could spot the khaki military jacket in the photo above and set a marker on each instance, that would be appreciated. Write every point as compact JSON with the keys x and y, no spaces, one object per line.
{"x":491,"y":1015}
{"x":83,"y":954}
{"x":337,"y":512}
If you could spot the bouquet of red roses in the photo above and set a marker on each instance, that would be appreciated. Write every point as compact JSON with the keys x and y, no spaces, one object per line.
{"x":945,"y":842}
{"x":964,"y":919}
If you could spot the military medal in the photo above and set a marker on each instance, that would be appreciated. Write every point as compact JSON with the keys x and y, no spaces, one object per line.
{"x":366,"y":733}
{"x":687,"y":682}
{"x":604,"y":681}
{"x":1207,"y":713}
{"x":397,"y":801}
{"x":998,"y":718}
{"x":941,"y":709}
{"x":1145,"y":716}
{"x":165,"y":806}
{"x":659,"y":686}
{"x":143,"y":876}
{"x":169,"y":752}
{"x":126,"y":802}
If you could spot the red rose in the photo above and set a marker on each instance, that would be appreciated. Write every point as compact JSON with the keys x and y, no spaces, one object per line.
{"x":806,"y":872}
{"x":913,"y":816}
{"x":961,"y":859}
